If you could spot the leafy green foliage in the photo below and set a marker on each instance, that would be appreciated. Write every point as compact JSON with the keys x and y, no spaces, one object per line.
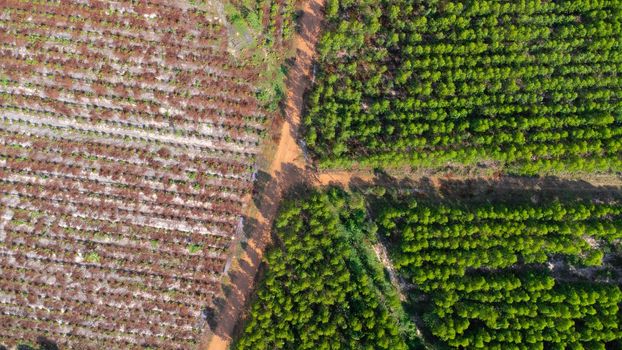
{"x":194,"y":248}
{"x":92,"y":257}
{"x":323,"y":288}
{"x":533,"y":85}
{"x":481,"y":270}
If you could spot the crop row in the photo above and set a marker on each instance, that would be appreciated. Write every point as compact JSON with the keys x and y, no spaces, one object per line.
{"x":73,"y":99}
{"x":174,"y":86}
{"x":85,"y":128}
{"x":56,"y":52}
{"x":113,"y":282}
{"x":98,"y":16}
{"x":42,"y":307}
{"x":135,"y":138}
{"x":70,"y":107}
{"x":80,"y":168}
{"x":154,"y":301}
{"x":48,"y":82}
{"x":14,"y":144}
{"x":156,"y":74}
{"x":172,"y":173}
{"x":72,"y":22}
{"x":114,"y":255}
{"x":96,"y":113}
{"x":164,"y":241}
{"x":167,"y":61}
{"x":172,"y":250}
{"x":78,"y":336}
{"x":109,"y":210}
{"x":21,"y":237}
{"x":69,"y":189}
{"x":127,"y":153}
{"x":93,"y":109}
{"x":163,"y":195}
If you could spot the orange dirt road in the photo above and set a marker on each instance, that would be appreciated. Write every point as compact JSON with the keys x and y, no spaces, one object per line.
{"x":287,"y":168}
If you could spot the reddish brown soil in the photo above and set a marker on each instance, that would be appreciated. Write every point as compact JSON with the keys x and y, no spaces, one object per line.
{"x":287,"y":169}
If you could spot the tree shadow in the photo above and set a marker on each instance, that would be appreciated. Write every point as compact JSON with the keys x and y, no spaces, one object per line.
{"x":307,"y":29}
{"x":24,"y":347}
{"x":297,"y":81}
{"x":532,"y":189}
{"x":487,"y":190}
{"x":260,"y":187}
{"x":209,"y":314}
{"x":250,"y":225}
{"x":301,"y":66}
{"x":301,"y":184}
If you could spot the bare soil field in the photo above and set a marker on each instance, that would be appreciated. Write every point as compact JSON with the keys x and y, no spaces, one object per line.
{"x":128,"y":138}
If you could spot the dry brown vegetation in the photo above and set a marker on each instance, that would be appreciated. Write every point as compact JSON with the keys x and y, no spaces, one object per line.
{"x":128,"y":139}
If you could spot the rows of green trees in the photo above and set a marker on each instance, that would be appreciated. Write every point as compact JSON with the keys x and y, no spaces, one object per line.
{"x":525,"y":310}
{"x":324,"y":288}
{"x":534,"y":85}
{"x":498,"y":276}
{"x":440,"y":242}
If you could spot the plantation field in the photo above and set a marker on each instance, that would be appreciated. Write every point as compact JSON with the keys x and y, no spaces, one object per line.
{"x":530,"y":86}
{"x":497,"y":276}
{"x":132,"y":134}
{"x":324,"y":288}
{"x":128,"y":138}
{"x":274,"y":18}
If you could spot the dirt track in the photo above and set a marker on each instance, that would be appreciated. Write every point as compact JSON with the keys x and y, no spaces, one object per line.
{"x":287,"y":169}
